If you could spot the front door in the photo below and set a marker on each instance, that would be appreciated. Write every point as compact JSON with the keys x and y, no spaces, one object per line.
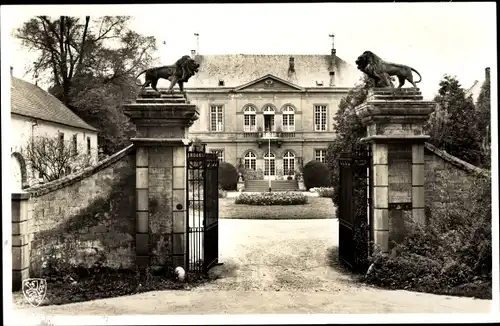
{"x":269,"y":167}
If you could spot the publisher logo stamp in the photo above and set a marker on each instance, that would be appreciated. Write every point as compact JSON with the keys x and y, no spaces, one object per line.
{"x":34,"y":290}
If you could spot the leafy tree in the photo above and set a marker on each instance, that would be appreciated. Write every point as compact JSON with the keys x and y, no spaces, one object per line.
{"x":453,"y":127}
{"x":91,"y":67}
{"x":483,"y":108}
{"x":348,"y":129}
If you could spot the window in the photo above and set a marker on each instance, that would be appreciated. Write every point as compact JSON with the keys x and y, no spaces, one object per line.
{"x":221,"y":82}
{"x":220,"y":154}
{"x":88,"y":145}
{"x":268,"y":118}
{"x":320,"y":155}
{"x":288,"y":163}
{"x":216,"y":118}
{"x":61,"y":141}
{"x":270,"y":166}
{"x":249,"y":119}
{"x":320,"y":118}
{"x":288,"y":119}
{"x":250,"y":161}
{"x":74,"y":149}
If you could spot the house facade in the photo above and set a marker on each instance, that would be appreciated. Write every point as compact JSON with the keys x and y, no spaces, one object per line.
{"x":269,"y":113}
{"x":37,"y":114}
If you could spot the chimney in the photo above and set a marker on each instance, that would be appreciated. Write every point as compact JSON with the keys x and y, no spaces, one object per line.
{"x":12,"y":71}
{"x":486,"y":73}
{"x":333,"y":59}
{"x":291,"y":66}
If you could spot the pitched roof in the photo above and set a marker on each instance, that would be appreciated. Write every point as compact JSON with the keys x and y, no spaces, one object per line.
{"x":32,"y":101}
{"x":475,"y":90}
{"x":239,"y":69}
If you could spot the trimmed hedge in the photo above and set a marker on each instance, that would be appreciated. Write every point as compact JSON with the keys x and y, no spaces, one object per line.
{"x":228,"y":176}
{"x":316,"y":174}
{"x":326,"y":192}
{"x":272,"y":198}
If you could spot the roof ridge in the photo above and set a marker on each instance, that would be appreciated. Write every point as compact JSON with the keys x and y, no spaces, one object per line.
{"x":30,"y":100}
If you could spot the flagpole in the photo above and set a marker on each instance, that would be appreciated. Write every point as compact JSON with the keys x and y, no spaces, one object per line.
{"x":269,"y":160}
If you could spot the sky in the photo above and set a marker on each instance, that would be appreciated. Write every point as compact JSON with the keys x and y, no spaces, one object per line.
{"x":435,"y":38}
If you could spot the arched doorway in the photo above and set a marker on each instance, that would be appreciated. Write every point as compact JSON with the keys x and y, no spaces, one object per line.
{"x":288,"y":164}
{"x":268,"y":118}
{"x":269,"y":166}
{"x":18,"y":179}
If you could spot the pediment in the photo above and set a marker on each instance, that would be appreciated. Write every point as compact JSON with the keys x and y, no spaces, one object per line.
{"x":269,"y":83}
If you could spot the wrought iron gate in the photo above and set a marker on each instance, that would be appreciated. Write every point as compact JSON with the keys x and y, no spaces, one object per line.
{"x":355,"y":209}
{"x":203,"y":209}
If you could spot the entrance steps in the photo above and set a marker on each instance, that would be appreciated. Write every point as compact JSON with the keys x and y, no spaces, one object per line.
{"x":276,"y":185}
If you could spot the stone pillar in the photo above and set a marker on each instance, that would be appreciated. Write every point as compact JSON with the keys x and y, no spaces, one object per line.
{"x":20,"y":239}
{"x":394,"y":119}
{"x":162,"y":125}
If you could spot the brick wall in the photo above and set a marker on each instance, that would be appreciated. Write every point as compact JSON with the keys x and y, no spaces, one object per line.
{"x":85,"y":218}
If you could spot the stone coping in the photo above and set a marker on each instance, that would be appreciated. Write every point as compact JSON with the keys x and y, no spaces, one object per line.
{"x":456,"y":161}
{"x":161,"y":141}
{"x":395,"y":138}
{"x":20,"y":195}
{"x":45,"y":188}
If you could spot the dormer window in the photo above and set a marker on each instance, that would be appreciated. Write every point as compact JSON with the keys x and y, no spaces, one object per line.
{"x":221,"y":82}
{"x":319,"y":83}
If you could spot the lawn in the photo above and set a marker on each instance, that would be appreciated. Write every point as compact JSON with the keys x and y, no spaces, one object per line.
{"x":316,"y":208}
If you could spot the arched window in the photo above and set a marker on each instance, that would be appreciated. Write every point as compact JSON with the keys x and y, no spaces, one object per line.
{"x":268,"y":118}
{"x":249,"y":119}
{"x":250,"y":161}
{"x":288,"y":119}
{"x":269,"y":165}
{"x":288,"y":163}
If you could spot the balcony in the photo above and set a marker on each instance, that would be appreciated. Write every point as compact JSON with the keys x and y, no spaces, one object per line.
{"x":270,"y":136}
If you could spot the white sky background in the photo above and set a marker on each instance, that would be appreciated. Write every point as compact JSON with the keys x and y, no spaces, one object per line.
{"x":434,"y":38}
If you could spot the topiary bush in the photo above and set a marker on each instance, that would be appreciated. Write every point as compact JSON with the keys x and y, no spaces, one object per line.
{"x":228,"y":176}
{"x":272,"y":198}
{"x":316,"y":174}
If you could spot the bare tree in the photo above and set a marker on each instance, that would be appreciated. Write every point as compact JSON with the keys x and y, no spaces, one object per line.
{"x":53,"y":158}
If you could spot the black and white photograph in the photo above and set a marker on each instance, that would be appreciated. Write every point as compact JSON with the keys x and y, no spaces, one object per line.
{"x":250,"y":163}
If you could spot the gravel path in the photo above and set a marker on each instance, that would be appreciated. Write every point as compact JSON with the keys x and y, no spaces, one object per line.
{"x":274,"y":266}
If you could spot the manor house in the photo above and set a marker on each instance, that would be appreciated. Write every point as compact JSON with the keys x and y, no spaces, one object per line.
{"x":268,"y":112}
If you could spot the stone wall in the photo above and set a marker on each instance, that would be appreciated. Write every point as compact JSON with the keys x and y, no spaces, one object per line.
{"x":86,"y":218}
{"x":448,"y":180}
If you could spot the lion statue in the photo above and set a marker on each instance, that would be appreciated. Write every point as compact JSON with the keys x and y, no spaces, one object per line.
{"x":179,"y":73}
{"x":381,"y":71}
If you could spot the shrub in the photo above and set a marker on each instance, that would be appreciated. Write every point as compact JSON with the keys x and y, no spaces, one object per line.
{"x":228,"y":176}
{"x":451,"y":255}
{"x":272,"y":198}
{"x":326,"y":192}
{"x":222,"y":193}
{"x":316,"y":174}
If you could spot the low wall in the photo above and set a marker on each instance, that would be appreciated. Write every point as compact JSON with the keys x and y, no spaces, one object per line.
{"x":449,"y":181}
{"x":84,"y":219}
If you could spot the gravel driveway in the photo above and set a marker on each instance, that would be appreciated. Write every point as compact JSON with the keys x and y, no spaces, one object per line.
{"x":275,"y":266}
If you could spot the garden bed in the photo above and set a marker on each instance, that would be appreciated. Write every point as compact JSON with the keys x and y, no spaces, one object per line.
{"x":316,"y":208}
